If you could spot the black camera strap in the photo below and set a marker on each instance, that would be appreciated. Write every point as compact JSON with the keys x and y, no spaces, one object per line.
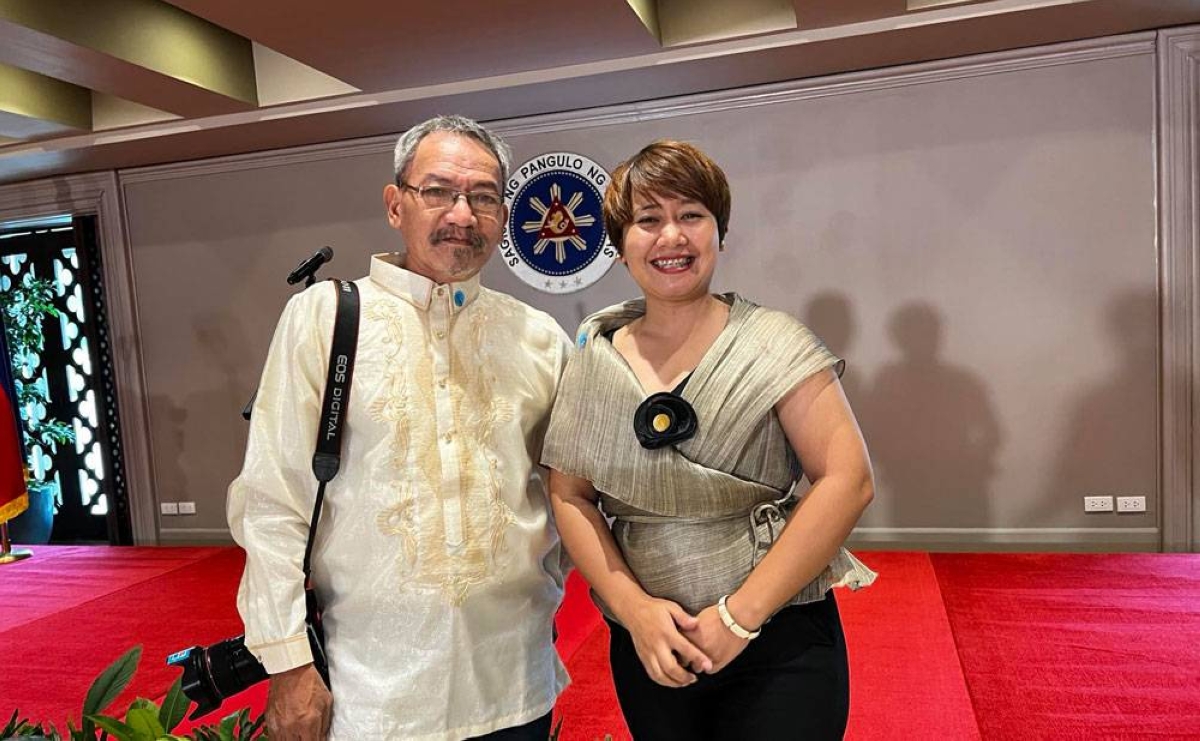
{"x":328,"y":456}
{"x":327,"y":459}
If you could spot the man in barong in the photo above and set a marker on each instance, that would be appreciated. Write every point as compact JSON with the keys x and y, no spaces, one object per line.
{"x":435,"y":557}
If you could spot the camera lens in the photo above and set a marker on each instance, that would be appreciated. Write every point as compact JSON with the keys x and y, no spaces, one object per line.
{"x":214,"y":673}
{"x":234,"y":668}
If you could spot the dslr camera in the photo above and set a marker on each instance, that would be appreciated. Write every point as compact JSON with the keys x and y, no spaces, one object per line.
{"x":213,"y":673}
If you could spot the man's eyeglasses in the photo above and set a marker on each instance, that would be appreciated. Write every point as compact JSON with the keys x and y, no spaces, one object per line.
{"x":482,"y":202}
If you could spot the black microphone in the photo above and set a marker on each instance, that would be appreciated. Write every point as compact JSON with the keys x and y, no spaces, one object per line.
{"x":309,"y":267}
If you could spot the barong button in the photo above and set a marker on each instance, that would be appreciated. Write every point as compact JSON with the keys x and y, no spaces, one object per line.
{"x":440,"y":334}
{"x":449,"y":436}
{"x":661,"y":422}
{"x":442,"y":384}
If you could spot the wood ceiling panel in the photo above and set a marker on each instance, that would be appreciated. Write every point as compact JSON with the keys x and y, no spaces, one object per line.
{"x":635,"y":78}
{"x":140,"y":50}
{"x":384,"y":46}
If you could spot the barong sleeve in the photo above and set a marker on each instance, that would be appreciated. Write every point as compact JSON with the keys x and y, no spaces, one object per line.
{"x":270,"y":502}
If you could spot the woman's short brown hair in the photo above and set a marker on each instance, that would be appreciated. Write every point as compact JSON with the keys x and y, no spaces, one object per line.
{"x":665,"y":168}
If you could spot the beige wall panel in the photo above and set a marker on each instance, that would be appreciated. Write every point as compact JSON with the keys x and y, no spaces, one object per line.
{"x":981,"y":250}
{"x":211,"y":254}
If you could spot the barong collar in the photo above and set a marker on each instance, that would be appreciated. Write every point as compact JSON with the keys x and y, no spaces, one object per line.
{"x":388,"y":273}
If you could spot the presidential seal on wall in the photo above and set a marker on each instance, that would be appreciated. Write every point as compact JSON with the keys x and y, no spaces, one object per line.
{"x":555,"y":238}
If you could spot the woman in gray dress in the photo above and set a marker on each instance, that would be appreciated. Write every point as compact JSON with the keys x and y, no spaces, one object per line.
{"x":686,"y":418}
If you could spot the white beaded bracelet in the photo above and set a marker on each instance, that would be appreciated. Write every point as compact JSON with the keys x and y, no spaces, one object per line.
{"x":732,"y":624}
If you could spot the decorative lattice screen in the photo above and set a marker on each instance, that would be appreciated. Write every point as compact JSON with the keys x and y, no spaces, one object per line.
{"x":75,"y":372}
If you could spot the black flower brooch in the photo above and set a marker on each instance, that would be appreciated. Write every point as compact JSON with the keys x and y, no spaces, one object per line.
{"x":663,"y":419}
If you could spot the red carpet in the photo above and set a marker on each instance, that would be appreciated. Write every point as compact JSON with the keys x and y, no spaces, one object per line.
{"x":47,"y":665}
{"x":71,"y":575}
{"x":894,"y":695}
{"x":1069,"y":646}
{"x":906,"y":681}
{"x":949,"y":646}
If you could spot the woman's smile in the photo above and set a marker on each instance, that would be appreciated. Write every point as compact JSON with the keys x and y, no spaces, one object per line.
{"x":673,"y":264}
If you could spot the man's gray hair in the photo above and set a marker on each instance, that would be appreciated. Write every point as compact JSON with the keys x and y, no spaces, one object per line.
{"x":406,"y":145}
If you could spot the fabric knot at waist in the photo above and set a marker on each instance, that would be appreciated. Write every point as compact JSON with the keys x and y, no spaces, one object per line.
{"x":765,"y":521}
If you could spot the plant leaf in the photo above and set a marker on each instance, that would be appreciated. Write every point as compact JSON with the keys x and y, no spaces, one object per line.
{"x":249,"y":733}
{"x":142,"y":703}
{"x":111,"y":682}
{"x":227,"y":725}
{"x":175,"y":706}
{"x":106,"y":687}
{"x":11,"y":726}
{"x":238,"y":732}
{"x":113,"y":726}
{"x":144,"y":722}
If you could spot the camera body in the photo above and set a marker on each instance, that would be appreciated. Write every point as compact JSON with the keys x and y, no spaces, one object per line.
{"x":213,"y":673}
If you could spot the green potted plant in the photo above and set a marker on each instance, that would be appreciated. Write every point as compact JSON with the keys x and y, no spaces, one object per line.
{"x":143,"y":720}
{"x":26,"y":304}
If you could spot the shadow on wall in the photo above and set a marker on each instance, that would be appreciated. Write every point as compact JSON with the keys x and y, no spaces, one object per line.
{"x":830,"y":316}
{"x":223,"y":345}
{"x":1109,"y":444}
{"x":932,"y":430}
{"x":217,"y":407}
{"x":198,"y":425}
{"x":169,"y":422}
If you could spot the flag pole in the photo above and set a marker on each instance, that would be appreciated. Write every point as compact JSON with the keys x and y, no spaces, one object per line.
{"x":7,"y":554}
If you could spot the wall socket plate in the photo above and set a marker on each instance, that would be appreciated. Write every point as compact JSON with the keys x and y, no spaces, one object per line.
{"x":168,"y":508}
{"x":1131,"y":504}
{"x":187,"y":508}
{"x":1098,"y":504}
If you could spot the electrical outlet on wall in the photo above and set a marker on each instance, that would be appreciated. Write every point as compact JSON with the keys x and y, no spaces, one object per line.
{"x":187,"y":508}
{"x":168,"y":508}
{"x":1131,"y":504}
{"x":1098,"y":504}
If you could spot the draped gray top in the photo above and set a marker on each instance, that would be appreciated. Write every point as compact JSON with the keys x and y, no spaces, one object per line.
{"x":693,"y":518}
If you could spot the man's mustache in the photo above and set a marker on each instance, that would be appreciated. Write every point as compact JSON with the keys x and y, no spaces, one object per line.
{"x":470,"y":235}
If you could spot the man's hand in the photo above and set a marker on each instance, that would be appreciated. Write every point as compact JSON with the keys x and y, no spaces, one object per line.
{"x":716,"y":641}
{"x":656,"y":626}
{"x":298,"y":706}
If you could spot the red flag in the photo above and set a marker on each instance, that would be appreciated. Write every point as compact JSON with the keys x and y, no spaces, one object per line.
{"x":14,"y":499}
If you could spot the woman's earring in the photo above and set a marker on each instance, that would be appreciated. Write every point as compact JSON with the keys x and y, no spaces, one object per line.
{"x":720,"y":247}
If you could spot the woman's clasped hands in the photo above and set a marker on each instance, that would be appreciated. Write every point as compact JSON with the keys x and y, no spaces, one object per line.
{"x":674,"y":646}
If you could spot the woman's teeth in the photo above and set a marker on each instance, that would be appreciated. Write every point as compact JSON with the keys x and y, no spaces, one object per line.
{"x":671,"y":263}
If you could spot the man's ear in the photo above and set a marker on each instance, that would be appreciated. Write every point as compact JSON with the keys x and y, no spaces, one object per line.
{"x":391,"y":202}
